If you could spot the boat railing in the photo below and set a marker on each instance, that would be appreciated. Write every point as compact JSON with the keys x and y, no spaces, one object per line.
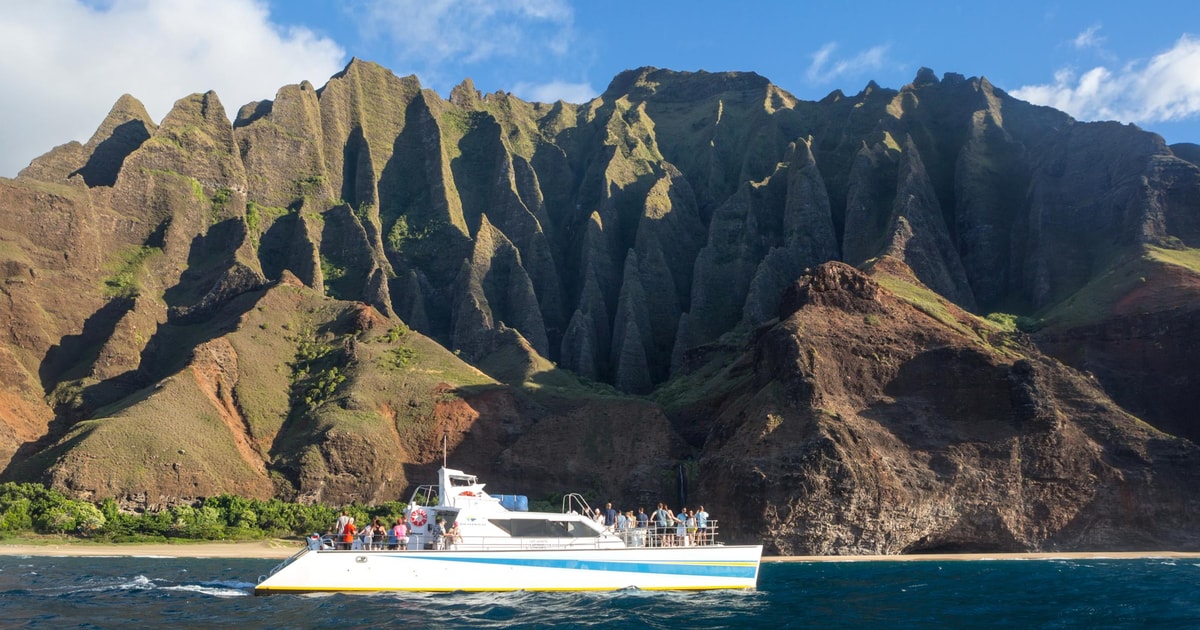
{"x":575,"y":502}
{"x":669,"y":536}
{"x":652,"y":536}
{"x":321,"y":543}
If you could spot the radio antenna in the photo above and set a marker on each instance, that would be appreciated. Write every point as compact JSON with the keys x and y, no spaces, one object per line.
{"x":443,"y":450}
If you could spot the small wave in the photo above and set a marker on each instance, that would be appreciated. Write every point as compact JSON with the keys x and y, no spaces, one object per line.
{"x":214,"y":591}
{"x":143,"y":583}
{"x":138,"y":582}
{"x":232,"y":584}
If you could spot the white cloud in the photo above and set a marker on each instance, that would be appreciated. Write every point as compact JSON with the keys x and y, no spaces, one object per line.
{"x":556,"y":90}
{"x":469,"y":31}
{"x":1088,"y":38}
{"x":1166,"y":88}
{"x":825,"y":67}
{"x":66,"y":62}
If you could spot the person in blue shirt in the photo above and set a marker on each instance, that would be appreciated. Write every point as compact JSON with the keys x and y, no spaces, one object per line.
{"x":610,"y":515}
{"x":665,"y":521}
{"x":701,"y":526}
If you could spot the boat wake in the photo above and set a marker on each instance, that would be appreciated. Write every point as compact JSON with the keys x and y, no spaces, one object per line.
{"x":143,"y":583}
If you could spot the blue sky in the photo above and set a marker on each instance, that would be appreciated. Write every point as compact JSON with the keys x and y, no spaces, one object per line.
{"x":63,"y":63}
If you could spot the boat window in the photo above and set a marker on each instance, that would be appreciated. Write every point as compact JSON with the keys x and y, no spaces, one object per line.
{"x":462,"y":481}
{"x":538,"y":528}
{"x":579,"y":530}
{"x":529,"y":528}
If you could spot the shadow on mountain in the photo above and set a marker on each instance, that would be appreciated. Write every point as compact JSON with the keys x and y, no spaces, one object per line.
{"x":74,"y":353}
{"x":105,"y":162}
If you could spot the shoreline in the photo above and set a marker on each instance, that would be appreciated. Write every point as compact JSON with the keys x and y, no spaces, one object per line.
{"x":276,"y":549}
{"x":1027,"y":555}
{"x":280,"y":549}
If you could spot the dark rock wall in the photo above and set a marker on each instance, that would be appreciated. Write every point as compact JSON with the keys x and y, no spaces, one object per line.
{"x":871,"y":428}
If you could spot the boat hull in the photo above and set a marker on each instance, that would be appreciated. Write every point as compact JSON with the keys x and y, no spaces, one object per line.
{"x":682,"y":568}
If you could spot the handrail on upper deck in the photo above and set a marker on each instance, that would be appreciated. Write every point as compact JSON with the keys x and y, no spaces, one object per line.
{"x":575,"y":500}
{"x":655,"y":536}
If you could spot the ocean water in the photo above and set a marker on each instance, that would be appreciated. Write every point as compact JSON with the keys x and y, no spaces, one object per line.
{"x":41,"y":592}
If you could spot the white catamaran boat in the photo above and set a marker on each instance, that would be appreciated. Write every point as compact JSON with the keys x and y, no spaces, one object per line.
{"x":501,"y":547}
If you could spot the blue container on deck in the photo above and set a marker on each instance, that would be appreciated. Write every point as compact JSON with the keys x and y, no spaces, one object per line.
{"x":514,"y":502}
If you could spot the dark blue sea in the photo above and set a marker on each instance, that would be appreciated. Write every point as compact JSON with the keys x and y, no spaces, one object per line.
{"x":40,"y":592}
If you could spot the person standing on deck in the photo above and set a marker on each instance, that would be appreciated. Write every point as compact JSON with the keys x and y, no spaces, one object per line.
{"x":437,"y":531}
{"x":610,"y":516}
{"x":701,"y":526}
{"x":347,"y":538}
{"x":662,"y":520}
{"x":399,"y":538}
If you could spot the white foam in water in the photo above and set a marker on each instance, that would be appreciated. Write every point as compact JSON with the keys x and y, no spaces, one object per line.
{"x":230,"y":583}
{"x":141,"y":582}
{"x":207,"y":590}
{"x":137,"y":582}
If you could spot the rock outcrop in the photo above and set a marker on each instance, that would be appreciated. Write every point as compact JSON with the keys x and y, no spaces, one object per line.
{"x":868,"y":425}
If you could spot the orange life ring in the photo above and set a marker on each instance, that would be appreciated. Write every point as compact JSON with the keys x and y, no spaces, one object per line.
{"x":417,"y":517}
{"x":468,"y":493}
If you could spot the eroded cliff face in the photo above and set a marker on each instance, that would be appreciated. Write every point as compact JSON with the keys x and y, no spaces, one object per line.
{"x":1138,"y":339}
{"x":302,"y":302}
{"x":868,"y":425}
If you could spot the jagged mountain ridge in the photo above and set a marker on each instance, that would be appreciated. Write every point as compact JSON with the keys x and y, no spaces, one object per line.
{"x":622,"y":238}
{"x":954,"y":176}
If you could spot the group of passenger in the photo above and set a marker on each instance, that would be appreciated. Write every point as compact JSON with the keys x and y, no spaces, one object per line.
{"x":375,"y":535}
{"x":662,"y":528}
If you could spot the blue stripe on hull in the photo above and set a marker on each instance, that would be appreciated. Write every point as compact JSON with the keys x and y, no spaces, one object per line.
{"x":714,"y":569}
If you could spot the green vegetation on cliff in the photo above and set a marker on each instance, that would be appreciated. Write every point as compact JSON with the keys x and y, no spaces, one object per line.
{"x":125,"y":270}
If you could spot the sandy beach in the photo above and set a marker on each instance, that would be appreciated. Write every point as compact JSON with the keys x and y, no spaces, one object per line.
{"x":284,"y":548}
